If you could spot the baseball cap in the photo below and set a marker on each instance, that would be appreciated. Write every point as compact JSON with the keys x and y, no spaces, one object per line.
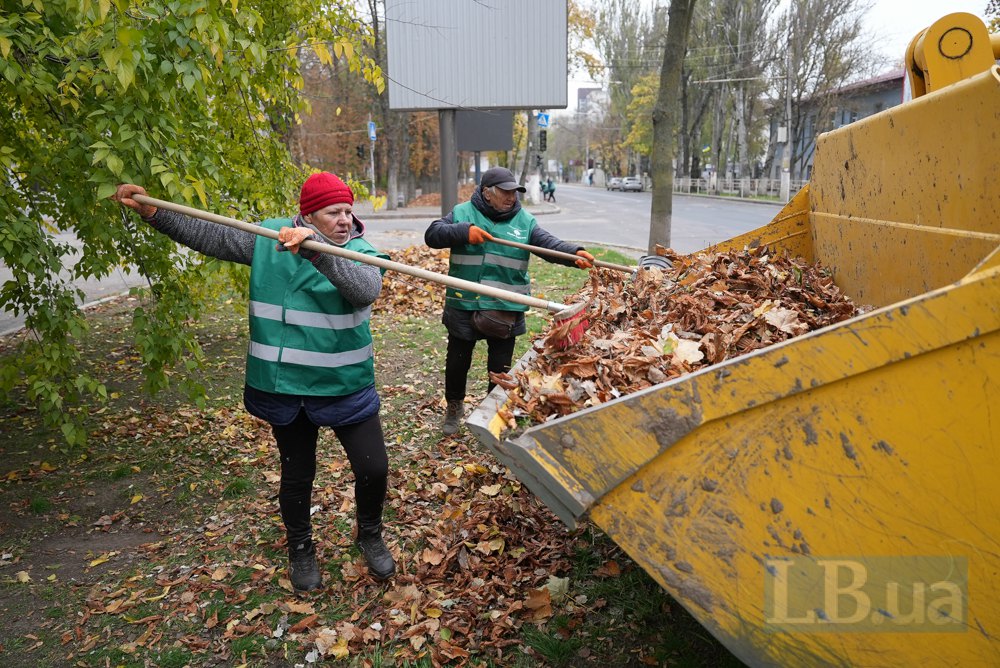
{"x":502,"y":178}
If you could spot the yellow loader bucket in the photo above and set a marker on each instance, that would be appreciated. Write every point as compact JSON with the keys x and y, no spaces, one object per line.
{"x":830,"y":500}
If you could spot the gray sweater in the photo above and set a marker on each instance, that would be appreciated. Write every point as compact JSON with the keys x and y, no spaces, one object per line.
{"x":360,"y":284}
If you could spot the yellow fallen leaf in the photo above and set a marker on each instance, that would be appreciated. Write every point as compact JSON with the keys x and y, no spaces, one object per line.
{"x":136,"y":499}
{"x":166,"y":590}
{"x":100,"y":560}
{"x":48,"y":468}
{"x":433,"y":612}
{"x":23,"y":577}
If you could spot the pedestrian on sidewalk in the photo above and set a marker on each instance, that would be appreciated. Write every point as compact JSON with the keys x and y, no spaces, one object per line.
{"x":310,"y":361}
{"x":493,"y":211}
{"x":550,"y":190}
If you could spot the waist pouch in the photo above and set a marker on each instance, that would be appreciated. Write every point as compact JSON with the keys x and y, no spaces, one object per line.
{"x":495,"y":324}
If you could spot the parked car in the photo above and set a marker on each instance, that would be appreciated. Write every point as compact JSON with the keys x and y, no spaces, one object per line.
{"x":614,"y":183}
{"x":632,"y":183}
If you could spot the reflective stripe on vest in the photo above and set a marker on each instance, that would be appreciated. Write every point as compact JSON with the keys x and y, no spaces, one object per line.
{"x":308,"y":357}
{"x":309,"y":319}
{"x":490,"y":258}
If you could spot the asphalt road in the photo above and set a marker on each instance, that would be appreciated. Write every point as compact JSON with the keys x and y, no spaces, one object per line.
{"x":610,"y":218}
{"x":591,"y":216}
{"x":595,"y":216}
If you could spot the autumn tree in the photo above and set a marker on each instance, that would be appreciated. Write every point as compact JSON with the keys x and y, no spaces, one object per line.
{"x":193,"y":99}
{"x":623,"y":39}
{"x":666,"y":114}
{"x":818,"y":47}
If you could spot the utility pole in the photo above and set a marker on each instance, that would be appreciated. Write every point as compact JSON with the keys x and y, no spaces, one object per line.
{"x":449,"y":166}
{"x":786,"y":154}
{"x":371,"y":149}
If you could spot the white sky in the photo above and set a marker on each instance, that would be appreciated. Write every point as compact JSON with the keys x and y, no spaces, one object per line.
{"x":893,"y":23}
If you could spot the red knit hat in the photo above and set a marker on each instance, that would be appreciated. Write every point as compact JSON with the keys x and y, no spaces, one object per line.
{"x":321,"y":190}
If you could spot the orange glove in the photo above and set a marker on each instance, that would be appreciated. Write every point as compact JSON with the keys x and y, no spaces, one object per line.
{"x":124,"y":197}
{"x":478,"y":235}
{"x":586,"y":260}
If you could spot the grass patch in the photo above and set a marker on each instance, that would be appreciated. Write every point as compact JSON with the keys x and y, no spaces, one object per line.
{"x":120,"y":471}
{"x":237,"y":488}
{"x":174,"y":657}
{"x":40,"y":505}
{"x":555,"y":649}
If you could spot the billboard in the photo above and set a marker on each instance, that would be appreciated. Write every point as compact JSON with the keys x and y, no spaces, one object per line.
{"x":485,"y":130}
{"x":490,"y":54}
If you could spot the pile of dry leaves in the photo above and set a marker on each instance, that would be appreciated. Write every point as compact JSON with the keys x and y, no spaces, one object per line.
{"x":434,"y":199}
{"x":705,"y":309}
{"x":404,"y":295}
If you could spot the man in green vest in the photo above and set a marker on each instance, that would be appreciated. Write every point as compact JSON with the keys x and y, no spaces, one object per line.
{"x":493,"y":211}
{"x":310,"y":360}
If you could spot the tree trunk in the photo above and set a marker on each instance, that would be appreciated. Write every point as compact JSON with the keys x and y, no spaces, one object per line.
{"x":684,"y":164}
{"x":665,"y":116}
{"x":718,"y":128}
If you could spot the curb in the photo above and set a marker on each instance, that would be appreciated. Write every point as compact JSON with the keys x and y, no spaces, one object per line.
{"x":727,"y":198}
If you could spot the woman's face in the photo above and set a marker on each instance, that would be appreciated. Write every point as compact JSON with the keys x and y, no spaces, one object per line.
{"x":334,"y":221}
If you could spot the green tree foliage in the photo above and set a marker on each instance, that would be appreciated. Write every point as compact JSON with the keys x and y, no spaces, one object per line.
{"x":193,"y":99}
{"x":640,"y":113}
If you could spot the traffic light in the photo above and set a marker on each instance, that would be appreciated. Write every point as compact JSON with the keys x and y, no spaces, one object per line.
{"x":361,"y":151}
{"x":542,"y":136}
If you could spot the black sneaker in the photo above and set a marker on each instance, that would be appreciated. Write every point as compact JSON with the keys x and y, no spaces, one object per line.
{"x":376,"y":554}
{"x":303,"y":570}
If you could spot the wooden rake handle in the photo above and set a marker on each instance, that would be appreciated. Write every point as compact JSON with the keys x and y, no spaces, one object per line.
{"x":565,"y":256}
{"x":434,"y":277}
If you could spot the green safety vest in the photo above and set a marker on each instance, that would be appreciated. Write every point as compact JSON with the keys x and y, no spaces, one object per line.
{"x":491,"y":264}
{"x":305,"y":338}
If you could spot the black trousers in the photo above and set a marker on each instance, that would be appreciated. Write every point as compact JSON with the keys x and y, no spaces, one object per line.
{"x":499,"y":354}
{"x":365,"y":447}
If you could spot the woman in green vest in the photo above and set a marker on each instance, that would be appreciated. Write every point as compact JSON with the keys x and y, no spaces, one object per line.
{"x":493,"y":211}
{"x":310,"y":362}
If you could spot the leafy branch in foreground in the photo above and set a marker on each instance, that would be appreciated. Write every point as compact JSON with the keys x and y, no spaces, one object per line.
{"x":194,"y":100}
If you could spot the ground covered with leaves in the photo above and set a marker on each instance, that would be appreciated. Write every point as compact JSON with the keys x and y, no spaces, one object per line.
{"x":160,"y":544}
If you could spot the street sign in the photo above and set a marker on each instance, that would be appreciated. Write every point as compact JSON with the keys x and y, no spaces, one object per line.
{"x":371,"y":130}
{"x":543,"y":120}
